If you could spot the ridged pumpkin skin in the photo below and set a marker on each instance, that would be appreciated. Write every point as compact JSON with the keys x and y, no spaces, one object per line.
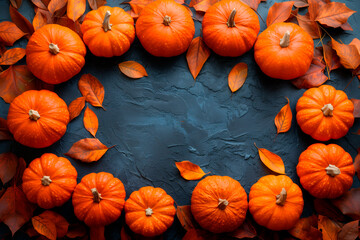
{"x":165,"y":28}
{"x":98,"y":199}
{"x":105,"y":41}
{"x":43,"y":127}
{"x":325,"y":171}
{"x":55,"y":64}
{"x":287,"y":62}
{"x":268,"y":206}
{"x":325,"y":113}
{"x":230,"y":39}
{"x":149,"y":211}
{"x":49,"y":181}
{"x":219,"y":204}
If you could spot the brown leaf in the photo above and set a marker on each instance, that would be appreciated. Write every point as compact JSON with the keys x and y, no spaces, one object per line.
{"x":348,"y":54}
{"x":350,"y":231}
{"x":279,"y":12}
{"x":39,"y":4}
{"x":326,"y":208}
{"x":10,"y":33}
{"x":16,"y":3}
{"x":76,"y":230}
{"x":356,"y":103}
{"x":306,"y":229}
{"x":313,"y":77}
{"x":196,"y":56}
{"x":334,"y":14}
{"x":329,"y":228}
{"x":185,"y":217}
{"x":271,"y":160}
{"x":97,"y":233}
{"x":75,"y":9}
{"x":60,"y":222}
{"x":246,"y":230}
{"x":21,"y":22}
{"x":331,"y":58}
{"x":39,"y":20}
{"x":132,"y":69}
{"x":283,"y":118}
{"x":92,"y":89}
{"x":348,"y":203}
{"x":357,"y":163}
{"x":91,"y":122}
{"x":237,"y":76}
{"x":301,"y":3}
{"x":8,"y":164}
{"x":56,"y":5}
{"x":76,"y":106}
{"x":66,"y":22}
{"x":252,"y":3}
{"x":315,"y":6}
{"x":12,"y":56}
{"x":45,"y":227}
{"x":189,"y":170}
{"x":95,"y":4}
{"x":310,"y":26}
{"x":87,"y":150}
{"x":204,"y":5}
{"x":5,"y":134}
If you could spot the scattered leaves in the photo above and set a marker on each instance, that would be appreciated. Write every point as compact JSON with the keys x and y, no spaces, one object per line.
{"x":91,"y":122}
{"x":76,"y":106}
{"x":348,"y":54}
{"x":348,"y":203}
{"x":12,"y":56}
{"x":311,"y":27}
{"x":271,"y":160}
{"x":279,"y":12}
{"x":10,"y":33}
{"x":8,"y":165}
{"x":189,"y":170}
{"x":306,"y":229}
{"x":196,"y":56}
{"x":4,"y":130}
{"x":334,"y":14}
{"x":92,"y":89}
{"x":87,"y":150}
{"x":21,"y":22}
{"x":45,"y":227}
{"x":132,"y":69}
{"x":237,"y":76}
{"x":185,"y":217}
{"x":75,"y":9}
{"x":315,"y":6}
{"x":283,"y":118}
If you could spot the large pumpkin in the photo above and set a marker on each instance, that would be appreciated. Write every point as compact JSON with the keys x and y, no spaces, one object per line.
{"x":275,"y":202}
{"x":38,"y":119}
{"x":230,"y":28}
{"x":325,"y":113}
{"x":98,"y":199}
{"x":49,"y":181}
{"x":165,"y":28}
{"x":108,"y":31}
{"x":149,"y":211}
{"x":219,"y":204}
{"x":284,"y":51}
{"x":55,"y":53}
{"x":325,"y":171}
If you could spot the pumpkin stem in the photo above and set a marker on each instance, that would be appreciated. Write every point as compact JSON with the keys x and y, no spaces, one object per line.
{"x":327,"y":110}
{"x":231,"y":20}
{"x":285,"y":41}
{"x":281,"y":198}
{"x":332,"y":170}
{"x":96,"y":194}
{"x":148,"y":211}
{"x":222,"y":203}
{"x":34,"y":115}
{"x":167,"y":20}
{"x":53,"y":48}
{"x":106,"y":23}
{"x":46,"y":180}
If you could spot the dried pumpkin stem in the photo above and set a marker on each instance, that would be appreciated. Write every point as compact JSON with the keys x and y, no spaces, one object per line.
{"x":34,"y":115}
{"x":285,"y":40}
{"x":106,"y":23}
{"x":281,"y":198}
{"x":53,"y":48}
{"x":148,"y":211}
{"x":222,"y":203}
{"x":45,"y":181}
{"x":231,"y":20}
{"x":327,"y":110}
{"x":96,"y":194}
{"x":167,"y":20}
{"x":332,"y":170}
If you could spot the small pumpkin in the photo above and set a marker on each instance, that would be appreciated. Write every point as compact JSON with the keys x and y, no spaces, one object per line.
{"x":325,"y":171}
{"x":325,"y":113}
{"x":284,"y":51}
{"x":219,"y":204}
{"x":275,"y":202}
{"x":108,"y":31}
{"x":165,"y":28}
{"x":38,"y":119}
{"x":49,"y":181}
{"x":55,"y":53}
{"x":149,"y":211}
{"x":98,"y":199}
{"x":230,"y":28}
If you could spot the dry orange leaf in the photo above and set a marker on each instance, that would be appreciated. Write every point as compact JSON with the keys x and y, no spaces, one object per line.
{"x":95,"y":4}
{"x":331,"y":58}
{"x":329,"y":228}
{"x":313,"y":77}
{"x":45,"y":227}
{"x":334,"y":14}
{"x":12,"y":56}
{"x":76,"y":106}
{"x":237,"y":76}
{"x":311,"y":27}
{"x":189,"y":170}
{"x":75,"y":9}
{"x":39,"y":20}
{"x":132,"y":69}
{"x":8,"y":165}
{"x":56,"y":5}
{"x":60,"y":222}
{"x":196,"y":56}
{"x":10,"y":33}
{"x":16,"y":3}
{"x":204,"y":5}
{"x":4,"y":130}
{"x":92,"y":89}
{"x":356,"y":103}
{"x":20,"y":21}
{"x":279,"y":12}
{"x":271,"y":160}
{"x":87,"y":150}
{"x":91,"y":121}
{"x":306,"y":228}
{"x":315,"y":6}
{"x":185,"y":217}
{"x":348,"y":54}
{"x":283,"y":118}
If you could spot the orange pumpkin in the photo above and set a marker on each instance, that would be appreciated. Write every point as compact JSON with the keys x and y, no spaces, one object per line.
{"x":38,"y":119}
{"x":325,"y":113}
{"x":219,"y":204}
{"x":230,"y":28}
{"x":55,"y":53}
{"x":325,"y":171}
{"x":165,"y":28}
{"x":98,"y":199}
{"x":108,"y":31}
{"x":275,"y":202}
{"x":49,"y":181}
{"x":284,"y":51}
{"x":149,"y":211}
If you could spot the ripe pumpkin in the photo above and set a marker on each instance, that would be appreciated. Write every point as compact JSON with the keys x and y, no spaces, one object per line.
{"x":49,"y":181}
{"x":275,"y":202}
{"x":325,"y":113}
{"x":325,"y":171}
{"x":284,"y":51}
{"x":165,"y":28}
{"x":98,"y":199}
{"x":219,"y":204}
{"x":38,"y":119}
{"x":149,"y":211}
{"x":230,"y":28}
{"x":108,"y":31}
{"x":55,"y":53}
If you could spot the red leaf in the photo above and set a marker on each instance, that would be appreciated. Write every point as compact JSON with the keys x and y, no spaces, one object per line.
{"x":92,"y":89}
{"x":87,"y":150}
{"x":4,"y":130}
{"x":196,"y":56}
{"x":334,"y":14}
{"x":301,"y":3}
{"x":185,"y":217}
{"x":91,"y":121}
{"x":76,"y":230}
{"x":356,"y":103}
{"x":10,"y":33}
{"x":132,"y":69}
{"x":326,"y":208}
{"x":76,"y":106}
{"x":279,"y":12}
{"x":315,"y":6}
{"x":246,"y":230}
{"x":21,"y":22}
{"x":95,"y":4}
{"x":252,"y":3}
{"x":75,"y":9}
{"x":237,"y":76}
{"x":283,"y":118}
{"x":97,"y":233}
{"x":189,"y":170}
{"x":271,"y":160}
{"x":8,"y":165}
{"x":45,"y":227}
{"x":12,"y":56}
{"x":331,"y":58}
{"x":310,"y":26}
{"x":56,"y":5}
{"x":313,"y":77}
{"x":60,"y":222}
{"x":204,"y":5}
{"x":329,"y":228}
{"x":348,"y":54}
{"x":350,"y":231}
{"x":348,"y":203}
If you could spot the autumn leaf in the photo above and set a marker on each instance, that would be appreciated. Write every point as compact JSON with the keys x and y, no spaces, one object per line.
{"x":271,"y":160}
{"x":326,"y":208}
{"x":196,"y":56}
{"x":185,"y":217}
{"x":95,"y":4}
{"x":237,"y":76}
{"x":21,"y":22}
{"x":306,"y":229}
{"x":246,"y":230}
{"x":329,"y":228}
{"x":76,"y":106}
{"x":39,"y":4}
{"x":75,"y":9}
{"x":283,"y":118}
{"x":60,"y":222}
{"x":204,"y":5}
{"x":315,"y":6}
{"x":334,"y":14}
{"x":12,"y":56}
{"x":189,"y":170}
{"x":10,"y":33}
{"x":76,"y":230}
{"x":348,"y":54}
{"x":350,"y":231}
{"x":97,"y":233}
{"x":56,"y":5}
{"x":311,"y":27}
{"x":348,"y":203}
{"x":357,"y":163}
{"x":87,"y":150}
{"x":39,"y":20}
{"x":314,"y":77}
{"x":45,"y":227}
{"x":16,"y":3}
{"x":301,"y":3}
{"x":4,"y":130}
{"x":331,"y":58}
{"x":356,"y":103}
{"x":8,"y":165}
{"x":356,"y":42}
{"x":252,"y":3}
{"x":279,"y":12}
{"x":132,"y":69}
{"x":91,"y":122}
{"x":92,"y":89}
